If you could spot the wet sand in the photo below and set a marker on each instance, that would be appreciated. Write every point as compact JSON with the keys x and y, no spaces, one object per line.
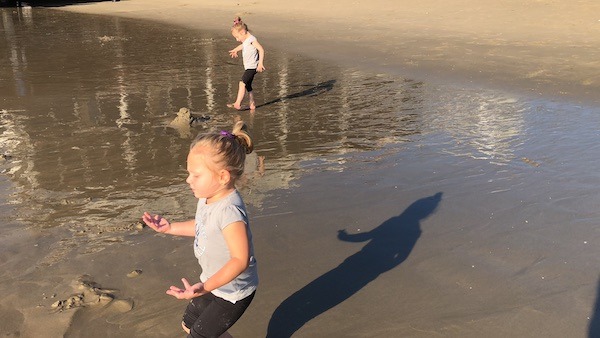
{"x":430,"y":195}
{"x":542,"y":47}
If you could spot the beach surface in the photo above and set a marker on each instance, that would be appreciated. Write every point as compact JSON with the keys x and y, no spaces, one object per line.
{"x":429,"y":167}
{"x":545,"y":47}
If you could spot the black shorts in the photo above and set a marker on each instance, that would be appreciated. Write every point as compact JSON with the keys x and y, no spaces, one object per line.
{"x":247,"y":78}
{"x":211,"y":316}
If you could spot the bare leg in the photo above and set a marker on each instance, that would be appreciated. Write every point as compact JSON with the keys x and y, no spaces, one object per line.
{"x":251,"y":99}
{"x":240,"y":96}
{"x":185,"y":328}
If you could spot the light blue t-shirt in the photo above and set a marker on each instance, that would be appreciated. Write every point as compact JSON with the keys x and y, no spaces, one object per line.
{"x":211,"y":249}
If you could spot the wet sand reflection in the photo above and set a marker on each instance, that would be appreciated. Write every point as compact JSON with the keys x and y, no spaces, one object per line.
{"x":92,"y":104}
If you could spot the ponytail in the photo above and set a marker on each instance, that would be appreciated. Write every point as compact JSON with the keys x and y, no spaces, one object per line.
{"x":229,"y":149}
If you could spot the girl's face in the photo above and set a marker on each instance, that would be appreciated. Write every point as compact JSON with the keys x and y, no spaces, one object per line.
{"x":204,"y":182}
{"x":238,"y":35}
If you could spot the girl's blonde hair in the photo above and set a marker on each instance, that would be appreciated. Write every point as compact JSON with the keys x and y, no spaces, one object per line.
{"x":239,"y":25}
{"x":229,"y":149}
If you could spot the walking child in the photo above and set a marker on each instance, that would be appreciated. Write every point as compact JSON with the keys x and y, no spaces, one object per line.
{"x":223,"y":241}
{"x":253,"y":55}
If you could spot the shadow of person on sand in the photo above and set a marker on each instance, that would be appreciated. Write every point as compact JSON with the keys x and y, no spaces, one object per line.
{"x":388,"y":246}
{"x":313,"y":90}
{"x":594,"y":328}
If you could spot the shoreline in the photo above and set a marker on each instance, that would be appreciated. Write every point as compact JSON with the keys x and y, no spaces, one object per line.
{"x":539,"y":49}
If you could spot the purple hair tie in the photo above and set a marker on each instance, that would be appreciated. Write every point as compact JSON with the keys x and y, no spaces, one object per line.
{"x":227,"y":134}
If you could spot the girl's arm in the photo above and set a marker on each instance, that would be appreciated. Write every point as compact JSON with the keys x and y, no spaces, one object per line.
{"x":261,"y":56}
{"x":236,"y":238}
{"x":361,"y":237}
{"x":162,"y":225}
{"x":234,"y":52}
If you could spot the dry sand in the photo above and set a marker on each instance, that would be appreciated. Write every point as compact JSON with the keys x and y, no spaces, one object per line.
{"x":548,"y":48}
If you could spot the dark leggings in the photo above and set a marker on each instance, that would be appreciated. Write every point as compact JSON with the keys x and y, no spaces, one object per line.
{"x":210,"y":316}
{"x":247,"y":78}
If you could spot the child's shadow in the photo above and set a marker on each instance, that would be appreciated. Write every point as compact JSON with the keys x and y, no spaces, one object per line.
{"x":313,"y":90}
{"x":389,"y":245}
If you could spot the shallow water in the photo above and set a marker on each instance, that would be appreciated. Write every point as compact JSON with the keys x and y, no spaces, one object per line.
{"x":84,"y":112}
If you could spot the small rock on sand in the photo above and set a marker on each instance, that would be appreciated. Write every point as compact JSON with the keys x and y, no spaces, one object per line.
{"x":134,"y":273}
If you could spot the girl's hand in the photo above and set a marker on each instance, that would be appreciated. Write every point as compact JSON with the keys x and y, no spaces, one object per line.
{"x":233,"y":53}
{"x":260,"y":68}
{"x":156,"y":222}
{"x":188,"y":292}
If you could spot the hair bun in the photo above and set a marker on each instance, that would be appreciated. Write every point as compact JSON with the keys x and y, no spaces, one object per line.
{"x":240,"y":131}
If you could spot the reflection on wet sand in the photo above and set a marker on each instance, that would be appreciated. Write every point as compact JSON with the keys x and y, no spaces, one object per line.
{"x":18,"y":59}
{"x":481,"y":125}
{"x":92,"y":127}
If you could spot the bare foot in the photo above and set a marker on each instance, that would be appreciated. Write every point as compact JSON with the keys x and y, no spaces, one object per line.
{"x":235,"y":106}
{"x":252,"y":106}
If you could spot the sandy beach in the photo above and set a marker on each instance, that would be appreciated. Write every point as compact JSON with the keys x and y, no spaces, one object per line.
{"x":429,"y":167}
{"x":544,"y":47}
